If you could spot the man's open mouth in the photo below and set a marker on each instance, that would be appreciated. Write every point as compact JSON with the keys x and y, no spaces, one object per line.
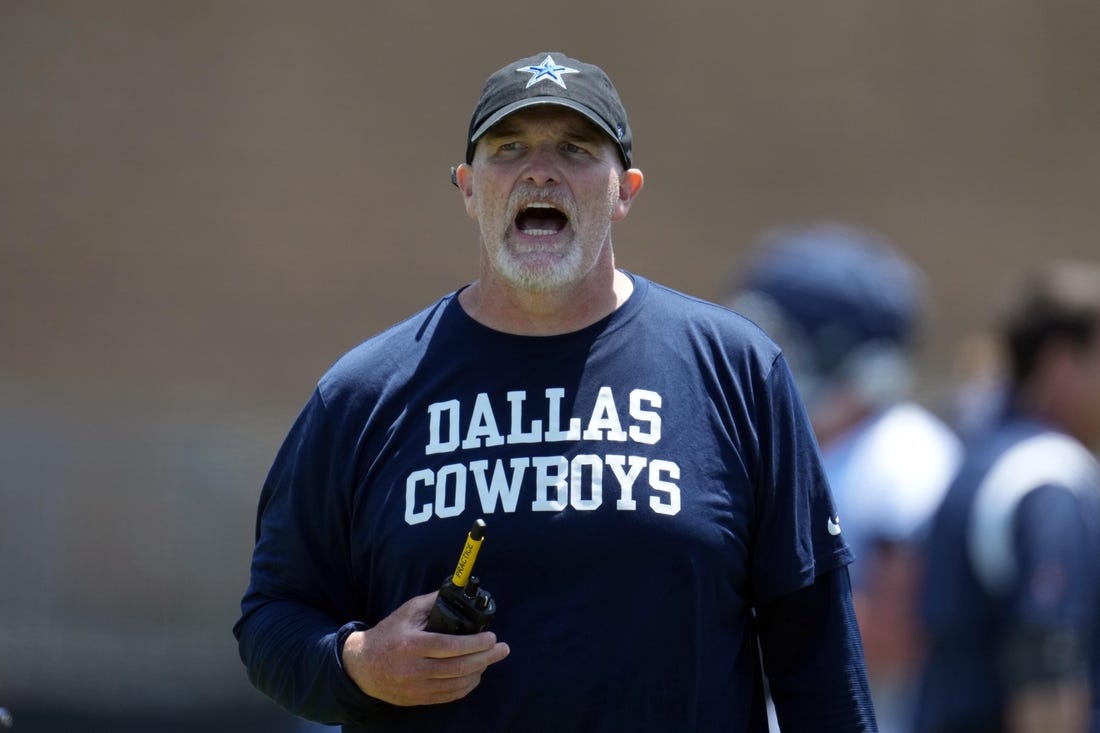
{"x":540,"y":219}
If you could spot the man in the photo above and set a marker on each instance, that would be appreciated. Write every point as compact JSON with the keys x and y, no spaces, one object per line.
{"x":1013,"y":565}
{"x":657,"y":520}
{"x":845,"y":306}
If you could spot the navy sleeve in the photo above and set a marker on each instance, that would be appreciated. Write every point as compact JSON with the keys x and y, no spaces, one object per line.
{"x":813,"y":657}
{"x":302,"y":591}
{"x":796,"y":534}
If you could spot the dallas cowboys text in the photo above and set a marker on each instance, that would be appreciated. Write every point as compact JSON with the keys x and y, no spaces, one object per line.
{"x":549,"y":483}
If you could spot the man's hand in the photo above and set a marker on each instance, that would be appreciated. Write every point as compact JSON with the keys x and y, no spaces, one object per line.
{"x":399,"y":662}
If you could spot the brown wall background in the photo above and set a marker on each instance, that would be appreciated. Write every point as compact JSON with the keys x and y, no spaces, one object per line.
{"x":202,"y":204}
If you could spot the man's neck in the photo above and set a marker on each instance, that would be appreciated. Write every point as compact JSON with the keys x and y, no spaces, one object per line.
{"x":544,"y":313}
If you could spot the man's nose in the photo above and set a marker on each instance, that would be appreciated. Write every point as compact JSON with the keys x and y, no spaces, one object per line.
{"x":542,"y":167}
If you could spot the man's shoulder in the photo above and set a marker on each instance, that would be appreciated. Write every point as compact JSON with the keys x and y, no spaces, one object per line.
{"x":1026,"y":459}
{"x":696,"y":315}
{"x":689,"y":304}
{"x":909,"y":445}
{"x":897,"y":467}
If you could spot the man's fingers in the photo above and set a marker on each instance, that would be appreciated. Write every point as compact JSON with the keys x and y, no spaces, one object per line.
{"x":434,"y":681}
{"x":449,"y":690}
{"x":466,"y":665}
{"x":443,"y":646}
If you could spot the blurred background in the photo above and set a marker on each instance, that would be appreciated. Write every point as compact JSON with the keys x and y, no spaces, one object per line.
{"x":203,"y":204}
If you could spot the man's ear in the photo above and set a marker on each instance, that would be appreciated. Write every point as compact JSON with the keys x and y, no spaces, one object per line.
{"x":630,"y":183}
{"x":462,"y":176}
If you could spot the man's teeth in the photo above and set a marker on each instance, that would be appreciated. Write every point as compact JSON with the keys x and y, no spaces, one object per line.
{"x":541,"y":232}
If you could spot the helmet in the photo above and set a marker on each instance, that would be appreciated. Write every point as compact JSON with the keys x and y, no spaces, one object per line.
{"x":841,"y":302}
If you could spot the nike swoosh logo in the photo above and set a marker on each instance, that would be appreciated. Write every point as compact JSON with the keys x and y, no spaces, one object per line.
{"x":834,"y":526}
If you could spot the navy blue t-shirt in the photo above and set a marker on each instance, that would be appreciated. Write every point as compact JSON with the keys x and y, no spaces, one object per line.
{"x":646,"y":482}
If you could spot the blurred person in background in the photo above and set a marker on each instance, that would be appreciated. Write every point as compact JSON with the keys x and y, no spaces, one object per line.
{"x":845,"y":307}
{"x":1010,"y":598}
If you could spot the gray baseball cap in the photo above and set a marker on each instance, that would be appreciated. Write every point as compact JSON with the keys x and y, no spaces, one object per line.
{"x":552,"y":78}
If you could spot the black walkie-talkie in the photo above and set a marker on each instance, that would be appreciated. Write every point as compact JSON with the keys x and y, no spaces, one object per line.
{"x":463,"y":607}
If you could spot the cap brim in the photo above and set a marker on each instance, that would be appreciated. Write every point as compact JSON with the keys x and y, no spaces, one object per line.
{"x":503,"y":112}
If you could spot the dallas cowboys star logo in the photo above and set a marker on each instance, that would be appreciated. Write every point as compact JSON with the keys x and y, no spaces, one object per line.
{"x":548,"y":69}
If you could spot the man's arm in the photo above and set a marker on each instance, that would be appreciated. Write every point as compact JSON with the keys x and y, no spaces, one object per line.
{"x":290,"y":651}
{"x":299,"y":658}
{"x":301,"y":586}
{"x":1042,"y":662}
{"x":813,"y":657}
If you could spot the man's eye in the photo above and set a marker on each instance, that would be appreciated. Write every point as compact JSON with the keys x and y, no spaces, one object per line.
{"x":571,"y":148}
{"x":509,"y":146}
